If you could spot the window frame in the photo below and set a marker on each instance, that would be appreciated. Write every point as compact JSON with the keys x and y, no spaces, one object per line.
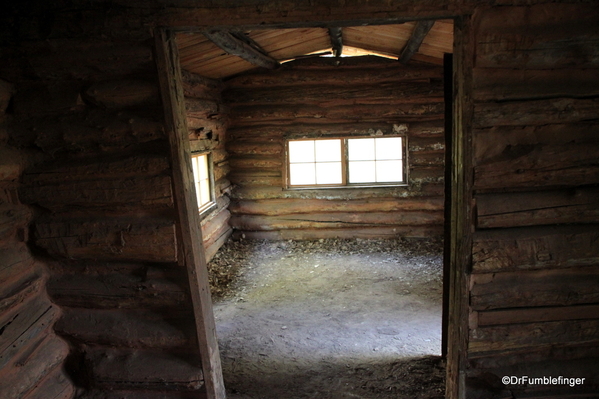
{"x":345,"y":164}
{"x":205,"y":209}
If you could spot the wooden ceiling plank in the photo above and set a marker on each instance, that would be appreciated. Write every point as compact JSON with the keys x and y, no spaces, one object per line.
{"x":232,"y":45}
{"x":420,"y":31}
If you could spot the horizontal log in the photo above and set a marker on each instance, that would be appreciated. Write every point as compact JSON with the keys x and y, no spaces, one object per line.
{"x":537,"y":208}
{"x":94,"y":129}
{"x":428,"y":158}
{"x":119,"y":239}
{"x":540,"y":165}
{"x":492,"y":84}
{"x":501,"y":143}
{"x":257,"y":178}
{"x":97,"y":168}
{"x":125,"y":328}
{"x":254,"y":148}
{"x":268,"y":132}
{"x":419,"y":144}
{"x":216,"y":124}
{"x":57,"y":385}
{"x":88,"y":58}
{"x":23,"y":325}
{"x":382,"y":232}
{"x":272,"y":207}
{"x":535,"y":248}
{"x":48,"y":98}
{"x":282,"y":115}
{"x":340,"y":76}
{"x":216,"y":241}
{"x":530,"y":335}
{"x":542,"y":36}
{"x":560,"y":287}
{"x":535,"y":112}
{"x":140,"y":394}
{"x":202,"y":108}
{"x":127,"y":193}
{"x":214,"y":224}
{"x":112,"y":291}
{"x":273,"y":192}
{"x":255,"y":161}
{"x":538,"y":314}
{"x":123,"y":93}
{"x":121,"y":369}
{"x":197,"y":86}
{"x":335,"y":220}
{"x":333,"y":96}
{"x":28,"y":371}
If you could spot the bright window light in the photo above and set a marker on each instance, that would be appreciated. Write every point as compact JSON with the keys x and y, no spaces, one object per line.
{"x":201,"y":177}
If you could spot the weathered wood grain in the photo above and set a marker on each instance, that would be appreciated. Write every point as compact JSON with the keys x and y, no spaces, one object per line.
{"x":530,"y":335}
{"x":30,"y":369}
{"x":537,"y":208}
{"x":560,"y":287}
{"x":288,"y":75}
{"x":56,"y":385}
{"x":196,"y":86}
{"x":331,"y":96}
{"x":335,"y":220}
{"x":535,"y":248}
{"x":117,"y":291}
{"x":537,"y":314}
{"x":111,"y":239}
{"x":143,"y":369}
{"x":380,"y":232}
{"x":283,"y":115}
{"x":23,"y":324}
{"x":535,"y":112}
{"x":125,"y":328}
{"x":521,"y":84}
{"x":279,"y":207}
{"x":541,"y":36}
{"x":123,"y":93}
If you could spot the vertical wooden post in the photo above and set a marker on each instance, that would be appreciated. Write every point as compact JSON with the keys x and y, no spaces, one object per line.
{"x":460,"y":256}
{"x":167,"y":60}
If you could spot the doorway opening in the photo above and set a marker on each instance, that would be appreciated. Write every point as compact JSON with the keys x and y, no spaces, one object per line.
{"x":367,"y":249}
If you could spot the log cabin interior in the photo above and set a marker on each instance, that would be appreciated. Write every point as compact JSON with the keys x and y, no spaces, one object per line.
{"x":110,"y":111}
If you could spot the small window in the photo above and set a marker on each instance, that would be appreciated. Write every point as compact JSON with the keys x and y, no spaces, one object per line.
{"x":203,"y":180}
{"x":346,"y":162}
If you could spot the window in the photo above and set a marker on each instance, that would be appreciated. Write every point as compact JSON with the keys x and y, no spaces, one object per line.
{"x":203,"y":180}
{"x":363,"y":161}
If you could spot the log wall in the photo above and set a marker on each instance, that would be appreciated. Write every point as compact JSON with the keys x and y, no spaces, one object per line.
{"x":207,"y":118}
{"x":320,"y":99}
{"x":32,"y":356}
{"x":534,"y":287}
{"x":100,"y":211}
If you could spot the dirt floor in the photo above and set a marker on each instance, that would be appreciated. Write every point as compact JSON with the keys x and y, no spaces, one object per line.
{"x":330,"y":319}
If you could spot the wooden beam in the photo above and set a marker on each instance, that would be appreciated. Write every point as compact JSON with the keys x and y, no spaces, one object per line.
{"x":231,"y":43}
{"x":336,"y":40}
{"x":169,"y":69}
{"x":420,"y":31}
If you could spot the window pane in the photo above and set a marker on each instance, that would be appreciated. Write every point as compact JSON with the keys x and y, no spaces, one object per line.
{"x":360,"y":149}
{"x":202,"y":167}
{"x":302,"y":173}
{"x":388,"y":148}
{"x":328,"y":150}
{"x":389,"y":171}
{"x":301,"y":151}
{"x":362,"y":172}
{"x":194,"y":166}
{"x":328,"y":173}
{"x":204,"y":192}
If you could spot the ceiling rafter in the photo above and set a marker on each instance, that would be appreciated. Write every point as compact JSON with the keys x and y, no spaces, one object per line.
{"x":242,"y":47}
{"x":420,"y":31}
{"x":336,"y":35}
